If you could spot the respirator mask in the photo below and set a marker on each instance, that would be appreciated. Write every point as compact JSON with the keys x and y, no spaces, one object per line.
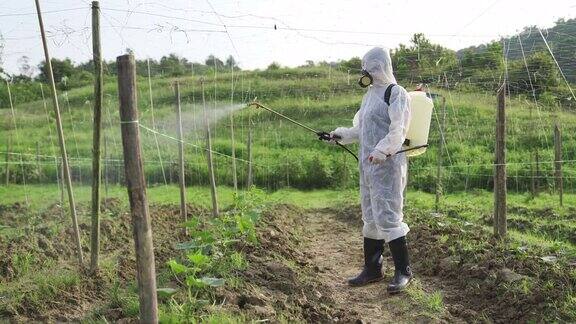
{"x":365,"y":80}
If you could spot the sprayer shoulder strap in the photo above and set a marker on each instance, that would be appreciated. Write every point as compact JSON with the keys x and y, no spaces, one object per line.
{"x":388,"y":93}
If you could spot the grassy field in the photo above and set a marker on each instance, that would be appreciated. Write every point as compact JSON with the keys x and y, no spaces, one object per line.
{"x":286,"y":156}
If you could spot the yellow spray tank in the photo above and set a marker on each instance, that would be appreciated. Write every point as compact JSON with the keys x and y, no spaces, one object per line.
{"x":417,"y":136}
{"x":419,"y":127}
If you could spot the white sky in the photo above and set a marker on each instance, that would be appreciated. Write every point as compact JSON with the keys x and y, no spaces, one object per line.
{"x":452,"y":23}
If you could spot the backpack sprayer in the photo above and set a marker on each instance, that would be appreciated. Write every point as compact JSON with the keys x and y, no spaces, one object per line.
{"x":324,"y":136}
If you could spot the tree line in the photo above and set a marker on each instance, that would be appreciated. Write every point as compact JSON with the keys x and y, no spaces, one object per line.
{"x":524,"y":59}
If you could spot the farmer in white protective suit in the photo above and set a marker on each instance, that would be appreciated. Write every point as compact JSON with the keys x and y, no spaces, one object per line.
{"x":380,"y":127}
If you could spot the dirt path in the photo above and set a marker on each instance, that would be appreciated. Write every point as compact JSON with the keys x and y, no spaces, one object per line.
{"x":334,"y":247}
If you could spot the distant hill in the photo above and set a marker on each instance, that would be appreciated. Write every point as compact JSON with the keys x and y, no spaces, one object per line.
{"x":561,"y":38}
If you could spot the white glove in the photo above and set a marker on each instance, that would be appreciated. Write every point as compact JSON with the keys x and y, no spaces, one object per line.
{"x":345,"y":135}
{"x":377,"y":157}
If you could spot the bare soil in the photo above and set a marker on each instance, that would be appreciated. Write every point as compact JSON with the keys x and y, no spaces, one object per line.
{"x":298,"y":271}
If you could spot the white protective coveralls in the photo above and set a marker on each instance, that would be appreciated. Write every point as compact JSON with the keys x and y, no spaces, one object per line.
{"x":381,"y":129}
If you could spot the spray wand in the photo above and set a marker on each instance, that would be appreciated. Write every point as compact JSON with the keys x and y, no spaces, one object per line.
{"x":322,"y":135}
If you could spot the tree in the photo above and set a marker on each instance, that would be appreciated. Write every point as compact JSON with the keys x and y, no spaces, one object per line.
{"x":173,"y":65}
{"x":26,"y":69}
{"x":273,"y":66}
{"x":213,"y":61}
{"x":231,"y":62}
{"x":60,"y":68}
{"x":422,"y":61}
{"x":536,"y":76}
{"x":353,"y":64}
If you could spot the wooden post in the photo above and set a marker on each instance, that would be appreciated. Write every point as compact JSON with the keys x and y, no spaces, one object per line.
{"x":558,"y":162}
{"x":533,"y":178}
{"x":62,"y":141}
{"x":134,"y":171}
{"x":154,"y":124}
{"x":183,"y":212}
{"x":215,"y":211}
{"x":440,"y":151}
{"x":38,"y":160}
{"x":537,"y":176}
{"x":234,"y":176}
{"x":249,"y":149}
{"x":8,"y":152}
{"x":96,"y":136}
{"x":348,"y":77}
{"x":500,"y":226}
{"x":62,"y":185}
{"x":18,"y":137}
{"x":105,"y":171}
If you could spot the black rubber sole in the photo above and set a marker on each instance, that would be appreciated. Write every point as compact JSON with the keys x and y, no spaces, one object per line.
{"x":397,"y":291}
{"x":375,"y":280}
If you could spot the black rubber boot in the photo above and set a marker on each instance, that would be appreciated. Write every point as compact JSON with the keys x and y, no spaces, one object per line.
{"x":402,"y":272}
{"x":372,"y":271}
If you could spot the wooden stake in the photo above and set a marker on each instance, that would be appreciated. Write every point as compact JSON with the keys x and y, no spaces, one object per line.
{"x":18,"y":138}
{"x":183,"y":212}
{"x":533,"y":178}
{"x":38,"y":169}
{"x":134,"y":171}
{"x":61,"y":139}
{"x":105,"y":171}
{"x":234,"y":175}
{"x":8,"y":152}
{"x":558,"y":162}
{"x":96,"y":136}
{"x":440,"y":151}
{"x":249,"y":180}
{"x":154,"y":125}
{"x":500,"y":226}
{"x":62,"y":185}
{"x":537,"y":178}
{"x":215,"y":211}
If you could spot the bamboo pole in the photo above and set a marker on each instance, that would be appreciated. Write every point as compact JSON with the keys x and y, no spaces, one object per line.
{"x":105,"y":171}
{"x":8,"y":152}
{"x":61,"y":139}
{"x":134,"y":171}
{"x":38,"y":169}
{"x":440,"y":151}
{"x":96,"y":136}
{"x":18,"y":139}
{"x":558,"y":162}
{"x":181,"y":170}
{"x":234,"y":175}
{"x":154,"y":123}
{"x":213,"y":192}
{"x":500,"y":226}
{"x":249,"y":180}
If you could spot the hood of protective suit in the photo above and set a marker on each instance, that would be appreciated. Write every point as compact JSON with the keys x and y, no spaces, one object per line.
{"x":378,"y":63}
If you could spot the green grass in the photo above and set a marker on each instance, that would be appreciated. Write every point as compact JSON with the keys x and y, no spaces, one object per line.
{"x":287,"y":156}
{"x":432,"y":303}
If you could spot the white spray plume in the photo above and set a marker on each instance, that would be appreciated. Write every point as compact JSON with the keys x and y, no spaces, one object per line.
{"x":193,"y":118}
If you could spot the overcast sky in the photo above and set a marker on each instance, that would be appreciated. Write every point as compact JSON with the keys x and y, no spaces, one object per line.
{"x":317,"y":30}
